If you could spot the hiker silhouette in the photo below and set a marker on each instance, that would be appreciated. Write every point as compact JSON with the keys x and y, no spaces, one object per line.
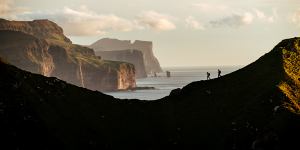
{"x":208,"y":75}
{"x":219,"y":73}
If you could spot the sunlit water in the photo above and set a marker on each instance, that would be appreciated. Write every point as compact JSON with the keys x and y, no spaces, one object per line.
{"x":180,"y":76}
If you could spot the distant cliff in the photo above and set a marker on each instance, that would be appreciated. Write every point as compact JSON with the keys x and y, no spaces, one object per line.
{"x":83,"y":68}
{"x":134,"y":57}
{"x":254,"y":108}
{"x":40,"y":47}
{"x":150,"y":61}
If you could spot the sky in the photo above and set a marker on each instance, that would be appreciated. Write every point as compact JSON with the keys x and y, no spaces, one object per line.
{"x":184,"y":33}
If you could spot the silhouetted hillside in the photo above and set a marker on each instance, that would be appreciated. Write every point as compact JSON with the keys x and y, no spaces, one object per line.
{"x":256,"y":107}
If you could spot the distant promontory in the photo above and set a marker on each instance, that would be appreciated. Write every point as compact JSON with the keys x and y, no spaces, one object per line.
{"x":113,"y":49}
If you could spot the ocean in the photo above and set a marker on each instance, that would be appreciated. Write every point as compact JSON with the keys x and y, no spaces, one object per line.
{"x":180,"y":77}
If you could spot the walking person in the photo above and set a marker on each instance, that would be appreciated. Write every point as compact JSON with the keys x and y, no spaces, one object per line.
{"x":219,"y":73}
{"x":208,"y":75}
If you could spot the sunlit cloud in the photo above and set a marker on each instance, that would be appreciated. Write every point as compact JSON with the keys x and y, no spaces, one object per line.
{"x":155,"y":21}
{"x":262,"y":16}
{"x":83,"y":22}
{"x":9,"y":11}
{"x":295,"y":17}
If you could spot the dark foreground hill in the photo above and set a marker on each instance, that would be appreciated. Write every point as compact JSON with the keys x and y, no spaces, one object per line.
{"x":256,"y":107}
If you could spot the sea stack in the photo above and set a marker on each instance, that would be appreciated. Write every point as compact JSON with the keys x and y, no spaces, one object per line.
{"x":168,"y":74}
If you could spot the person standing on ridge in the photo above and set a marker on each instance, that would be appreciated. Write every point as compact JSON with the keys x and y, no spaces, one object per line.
{"x":219,"y":73}
{"x":208,"y":75}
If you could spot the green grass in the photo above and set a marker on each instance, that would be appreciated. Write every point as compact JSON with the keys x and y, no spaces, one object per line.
{"x":291,"y":87}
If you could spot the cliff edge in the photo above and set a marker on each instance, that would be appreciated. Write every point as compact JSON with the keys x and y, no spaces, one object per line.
{"x":41,"y":47}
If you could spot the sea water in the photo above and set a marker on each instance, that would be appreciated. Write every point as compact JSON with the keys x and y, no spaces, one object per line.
{"x":180,"y":77}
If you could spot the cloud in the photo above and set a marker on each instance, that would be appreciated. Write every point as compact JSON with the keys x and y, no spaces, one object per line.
{"x":9,"y":11}
{"x":295,"y":17}
{"x":5,"y":7}
{"x":210,"y":7}
{"x":191,"y":22}
{"x":82,"y":22}
{"x":242,"y":18}
{"x":262,"y":16}
{"x":155,"y":21}
{"x":235,"y":20}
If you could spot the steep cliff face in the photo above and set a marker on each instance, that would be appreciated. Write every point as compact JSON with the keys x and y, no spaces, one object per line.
{"x":65,"y":68}
{"x":105,"y":75}
{"x":26,"y":52}
{"x":126,"y":76}
{"x":47,"y":51}
{"x":150,"y":61}
{"x":256,"y":107}
{"x":95,"y":73}
{"x":134,"y":57}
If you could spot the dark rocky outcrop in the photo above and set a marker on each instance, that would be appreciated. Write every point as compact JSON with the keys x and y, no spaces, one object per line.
{"x":150,"y":61}
{"x":256,"y":107}
{"x":134,"y":57}
{"x":40,"y":47}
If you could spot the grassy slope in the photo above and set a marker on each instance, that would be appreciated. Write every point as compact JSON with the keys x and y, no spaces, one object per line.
{"x":232,"y":111}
